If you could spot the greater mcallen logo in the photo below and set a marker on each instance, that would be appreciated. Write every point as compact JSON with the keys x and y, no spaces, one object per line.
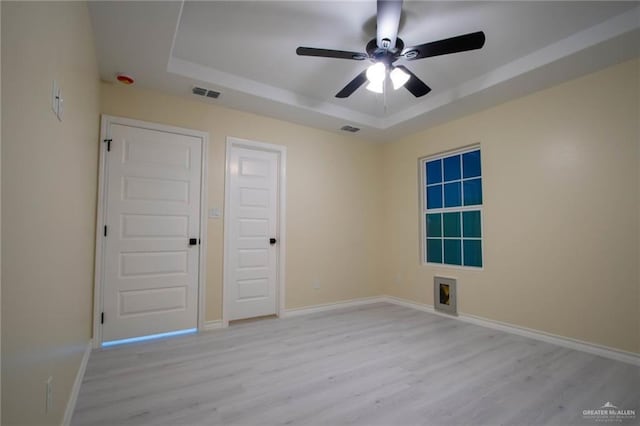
{"x":609,"y":413}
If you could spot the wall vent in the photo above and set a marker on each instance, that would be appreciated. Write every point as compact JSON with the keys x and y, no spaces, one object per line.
{"x":348,"y":128}
{"x":445,"y":295}
{"x":201,"y":91}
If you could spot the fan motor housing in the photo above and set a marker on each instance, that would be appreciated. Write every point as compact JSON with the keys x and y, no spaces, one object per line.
{"x":381,"y":54}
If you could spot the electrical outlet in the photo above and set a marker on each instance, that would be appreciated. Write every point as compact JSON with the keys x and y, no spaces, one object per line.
{"x":315,"y":283}
{"x":398,"y":279}
{"x":49,"y":394}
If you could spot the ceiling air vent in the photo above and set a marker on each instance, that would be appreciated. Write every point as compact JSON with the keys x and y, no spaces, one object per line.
{"x":201,"y":91}
{"x":349,"y":129}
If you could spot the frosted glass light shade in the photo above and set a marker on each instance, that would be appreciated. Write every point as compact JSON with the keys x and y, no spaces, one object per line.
{"x":376,"y":87}
{"x":398,"y":77}
{"x":376,"y":73}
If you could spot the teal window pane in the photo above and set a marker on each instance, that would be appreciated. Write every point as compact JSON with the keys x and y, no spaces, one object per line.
{"x":451,"y":168}
{"x":453,"y":252}
{"x":434,"y":172}
{"x":434,"y":225}
{"x":471,"y":224}
{"x":434,"y":197}
{"x":471,"y":164}
{"x":434,"y":250}
{"x":472,"y":192}
{"x":472,"y":253}
{"x":451,"y":223}
{"x":452,"y":195}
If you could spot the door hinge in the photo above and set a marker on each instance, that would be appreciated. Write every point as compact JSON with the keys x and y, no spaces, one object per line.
{"x":108,"y":142}
{"x":102,"y":318}
{"x":105,"y":230}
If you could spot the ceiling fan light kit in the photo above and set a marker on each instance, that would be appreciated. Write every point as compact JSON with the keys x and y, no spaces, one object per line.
{"x":377,"y":74}
{"x":388,"y":48}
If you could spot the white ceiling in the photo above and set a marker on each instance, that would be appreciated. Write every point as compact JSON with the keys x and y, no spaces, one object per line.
{"x":246,"y":50}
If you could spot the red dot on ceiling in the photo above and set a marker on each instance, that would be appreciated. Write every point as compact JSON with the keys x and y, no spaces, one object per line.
{"x":125,"y":79}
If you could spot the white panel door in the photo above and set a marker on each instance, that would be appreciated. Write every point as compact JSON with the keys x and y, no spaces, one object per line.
{"x":150,"y":282}
{"x":252,"y":257}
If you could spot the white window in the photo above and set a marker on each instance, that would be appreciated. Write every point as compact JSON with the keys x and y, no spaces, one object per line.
{"x":452,"y":208}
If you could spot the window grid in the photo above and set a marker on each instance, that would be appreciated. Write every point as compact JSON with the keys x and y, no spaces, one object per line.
{"x":441,"y":211}
{"x":461,"y":182}
{"x":462,"y":238}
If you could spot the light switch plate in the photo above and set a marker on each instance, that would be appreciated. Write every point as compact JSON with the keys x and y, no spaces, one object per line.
{"x":214,"y":212}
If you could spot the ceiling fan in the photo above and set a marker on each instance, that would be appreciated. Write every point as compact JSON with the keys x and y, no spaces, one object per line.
{"x":387,"y":48}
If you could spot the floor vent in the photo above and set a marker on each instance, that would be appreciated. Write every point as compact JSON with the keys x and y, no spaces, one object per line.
{"x":201,"y":91}
{"x":349,"y":129}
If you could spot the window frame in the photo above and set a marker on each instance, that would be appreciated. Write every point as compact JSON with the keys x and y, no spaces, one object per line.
{"x":423,"y":208}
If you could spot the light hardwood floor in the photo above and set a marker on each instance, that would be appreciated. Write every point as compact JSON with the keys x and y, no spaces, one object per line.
{"x":379,"y":364}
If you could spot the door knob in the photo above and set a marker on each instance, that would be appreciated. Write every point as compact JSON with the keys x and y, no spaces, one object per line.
{"x":272,"y":241}
{"x":193,"y":241}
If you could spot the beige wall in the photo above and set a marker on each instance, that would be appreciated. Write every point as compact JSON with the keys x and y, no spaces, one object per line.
{"x":49,"y":180}
{"x":561,"y":211}
{"x":333,"y":205}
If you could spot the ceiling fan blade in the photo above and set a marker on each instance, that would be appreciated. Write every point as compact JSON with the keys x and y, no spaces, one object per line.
{"x":416,"y":86}
{"x":388,"y":20}
{"x":460,"y":43}
{"x":329,"y":53}
{"x":353,"y":85}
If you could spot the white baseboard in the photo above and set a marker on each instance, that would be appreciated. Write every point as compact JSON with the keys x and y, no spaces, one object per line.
{"x":567,"y":342}
{"x":414,"y":305}
{"x":75,"y":389}
{"x":305,"y":310}
{"x":331,"y":306}
{"x":212,"y":325}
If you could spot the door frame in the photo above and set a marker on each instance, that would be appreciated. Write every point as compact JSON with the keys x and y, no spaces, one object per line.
{"x":281,"y":215}
{"x":105,"y":123}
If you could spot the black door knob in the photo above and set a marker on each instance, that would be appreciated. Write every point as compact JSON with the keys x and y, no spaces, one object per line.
{"x":272,"y":241}
{"x":193,"y":241}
